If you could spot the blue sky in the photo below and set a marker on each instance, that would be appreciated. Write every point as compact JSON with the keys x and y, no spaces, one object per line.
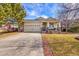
{"x":35,"y":10}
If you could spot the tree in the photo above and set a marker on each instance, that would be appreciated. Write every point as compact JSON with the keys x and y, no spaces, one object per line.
{"x":1,"y":22}
{"x":18,"y":13}
{"x":13,"y":11}
{"x":68,"y":13}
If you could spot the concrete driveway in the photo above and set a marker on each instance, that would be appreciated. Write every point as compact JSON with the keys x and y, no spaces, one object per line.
{"x":22,"y":44}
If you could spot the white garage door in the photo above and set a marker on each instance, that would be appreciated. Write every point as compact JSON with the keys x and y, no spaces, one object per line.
{"x":32,"y":27}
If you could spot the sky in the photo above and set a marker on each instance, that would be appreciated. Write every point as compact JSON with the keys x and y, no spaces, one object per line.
{"x":35,"y":10}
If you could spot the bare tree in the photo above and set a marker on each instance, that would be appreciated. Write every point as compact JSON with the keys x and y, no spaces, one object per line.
{"x":68,"y":13}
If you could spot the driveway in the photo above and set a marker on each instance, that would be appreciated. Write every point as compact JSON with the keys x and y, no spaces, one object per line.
{"x":22,"y":44}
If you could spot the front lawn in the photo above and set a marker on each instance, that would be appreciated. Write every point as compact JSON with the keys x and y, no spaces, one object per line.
{"x":2,"y":31}
{"x":62,"y":44}
{"x":4,"y":35}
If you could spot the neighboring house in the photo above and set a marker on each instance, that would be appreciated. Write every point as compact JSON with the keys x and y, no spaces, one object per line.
{"x":9,"y":26}
{"x":41,"y":24}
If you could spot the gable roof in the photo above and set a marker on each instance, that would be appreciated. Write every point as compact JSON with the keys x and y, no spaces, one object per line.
{"x":41,"y":19}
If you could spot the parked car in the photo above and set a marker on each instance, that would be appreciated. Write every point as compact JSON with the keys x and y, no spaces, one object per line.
{"x":10,"y":28}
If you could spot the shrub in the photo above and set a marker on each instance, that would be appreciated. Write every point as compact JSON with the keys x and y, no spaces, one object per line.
{"x":74,"y":29}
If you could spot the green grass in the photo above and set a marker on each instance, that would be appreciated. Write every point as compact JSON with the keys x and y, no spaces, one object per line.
{"x":62,"y":44}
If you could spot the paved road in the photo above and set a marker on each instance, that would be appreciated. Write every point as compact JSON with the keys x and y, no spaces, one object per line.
{"x":22,"y":44}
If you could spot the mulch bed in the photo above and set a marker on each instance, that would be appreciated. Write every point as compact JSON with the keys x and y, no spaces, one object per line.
{"x":47,"y":49}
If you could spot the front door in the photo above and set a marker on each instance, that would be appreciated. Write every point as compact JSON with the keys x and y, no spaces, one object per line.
{"x":51,"y":26}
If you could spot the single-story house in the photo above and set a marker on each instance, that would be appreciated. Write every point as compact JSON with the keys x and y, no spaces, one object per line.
{"x":40,"y":24}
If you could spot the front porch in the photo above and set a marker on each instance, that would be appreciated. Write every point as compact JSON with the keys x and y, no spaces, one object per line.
{"x":50,"y":27}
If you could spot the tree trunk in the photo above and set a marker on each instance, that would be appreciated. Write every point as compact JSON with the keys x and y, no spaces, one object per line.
{"x":20,"y":27}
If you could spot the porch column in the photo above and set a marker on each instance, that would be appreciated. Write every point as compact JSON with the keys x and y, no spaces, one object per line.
{"x":59,"y":27}
{"x":47,"y":24}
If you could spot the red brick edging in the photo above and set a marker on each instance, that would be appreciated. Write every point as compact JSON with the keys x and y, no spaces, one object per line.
{"x":47,"y":50}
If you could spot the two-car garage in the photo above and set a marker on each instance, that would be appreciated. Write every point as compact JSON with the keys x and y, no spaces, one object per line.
{"x":32,"y":26}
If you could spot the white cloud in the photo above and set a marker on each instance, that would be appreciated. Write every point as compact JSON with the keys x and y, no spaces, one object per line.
{"x":44,"y":16}
{"x":33,"y":13}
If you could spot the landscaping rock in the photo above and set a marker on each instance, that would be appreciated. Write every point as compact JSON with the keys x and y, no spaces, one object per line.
{"x":77,"y":37}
